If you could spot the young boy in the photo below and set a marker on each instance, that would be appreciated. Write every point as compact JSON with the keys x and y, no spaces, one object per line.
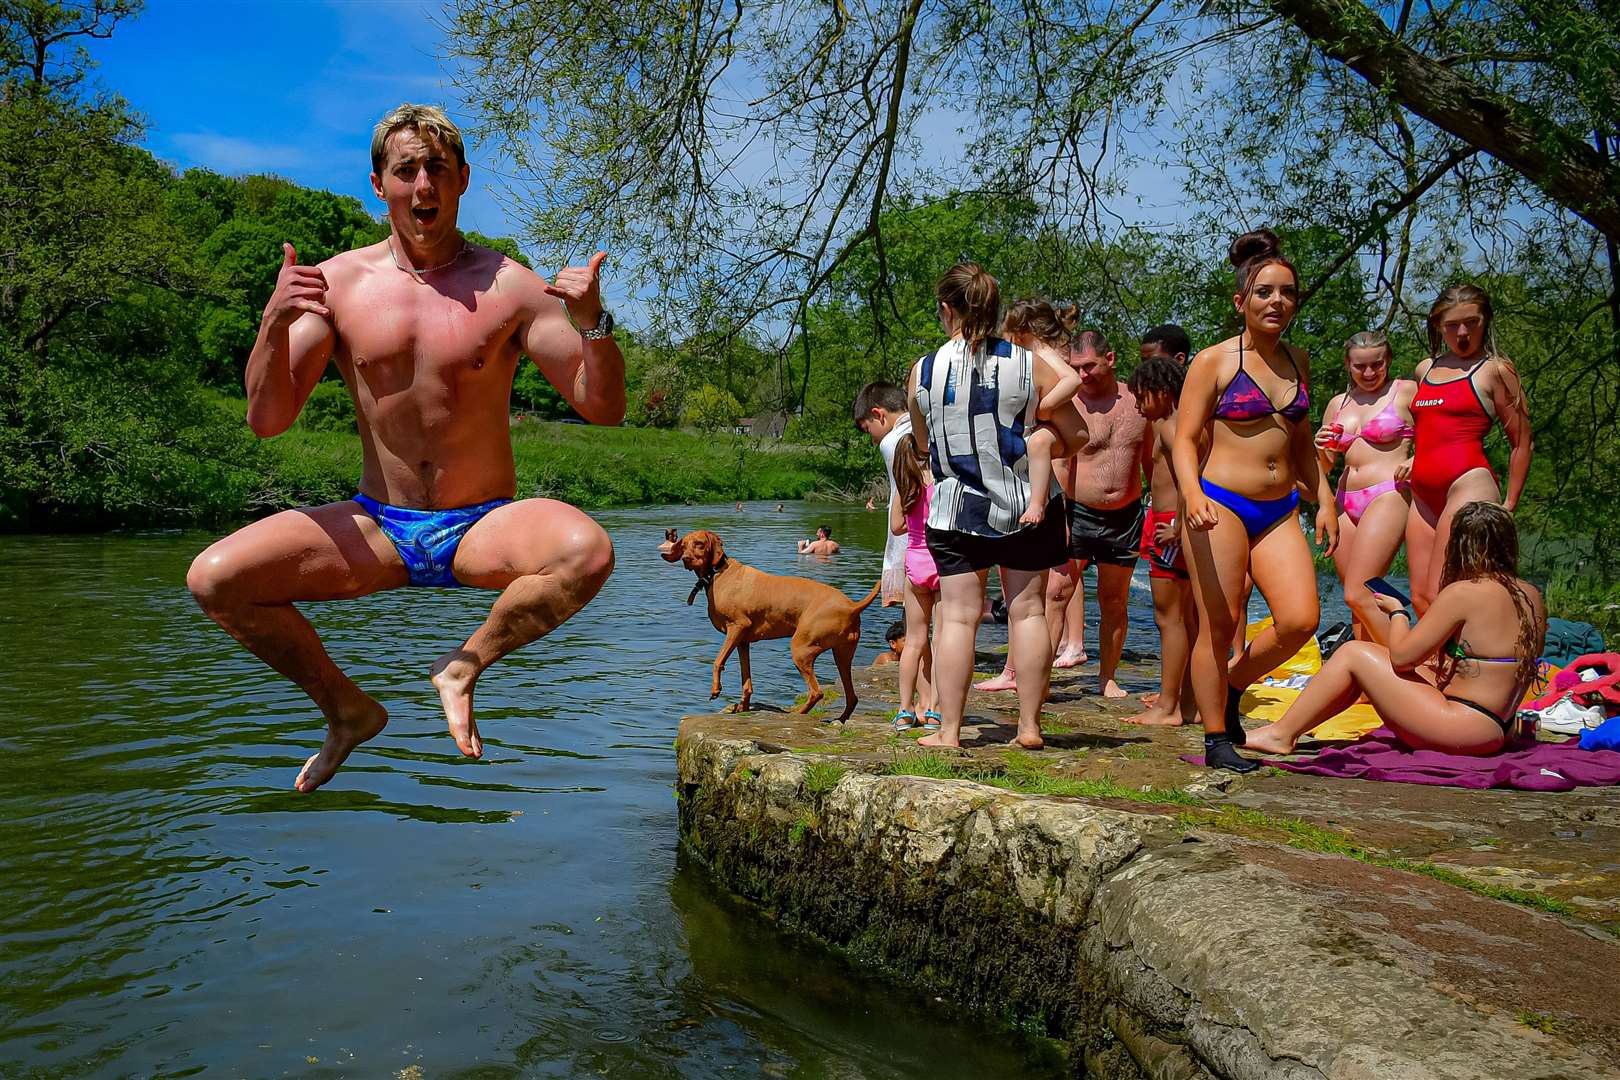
{"x":1156,"y":382}
{"x":880,"y":414}
{"x":896,"y":638}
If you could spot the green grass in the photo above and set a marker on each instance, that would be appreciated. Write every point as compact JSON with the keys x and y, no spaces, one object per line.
{"x":588,"y":466}
{"x":1298,"y":833}
{"x":1019,"y":772}
{"x":1547,"y":1025}
{"x":821,"y":777}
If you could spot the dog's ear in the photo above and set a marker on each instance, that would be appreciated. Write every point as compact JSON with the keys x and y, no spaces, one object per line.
{"x":717,"y":551}
{"x":674,"y":553}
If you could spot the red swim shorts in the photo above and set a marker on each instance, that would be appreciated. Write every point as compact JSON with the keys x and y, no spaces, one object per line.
{"x":1165,"y":560}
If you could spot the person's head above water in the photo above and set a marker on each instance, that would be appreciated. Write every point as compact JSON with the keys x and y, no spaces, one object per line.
{"x":1367,"y":357}
{"x":1460,"y":321}
{"x":876,"y":408}
{"x":419,"y":171}
{"x":1169,"y":341}
{"x":1267,"y":294}
{"x":969,"y":303}
{"x":896,"y":635}
{"x":823,"y":532}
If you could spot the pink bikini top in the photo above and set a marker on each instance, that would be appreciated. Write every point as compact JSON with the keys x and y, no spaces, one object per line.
{"x":1386,"y":427}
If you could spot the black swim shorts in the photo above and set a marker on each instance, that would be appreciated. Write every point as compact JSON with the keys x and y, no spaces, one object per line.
{"x":1034,"y":548}
{"x":1111,"y":537}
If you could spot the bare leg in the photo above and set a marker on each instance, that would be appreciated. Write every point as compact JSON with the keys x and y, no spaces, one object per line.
{"x":1421,"y":552}
{"x":1217,"y":560}
{"x":549,"y":559}
{"x":1475,"y":485}
{"x":1008,"y":679}
{"x":1420,"y":715}
{"x":1031,"y":647}
{"x":961,"y":605}
{"x":1348,"y":531}
{"x":1059,"y":589}
{"x":1377,"y":539}
{"x":919,"y":606}
{"x":1040,"y":444}
{"x":1073,"y":653}
{"x":1113,"y":600}
{"x":1280,"y":566}
{"x":248,"y":581}
{"x":1169,"y":603}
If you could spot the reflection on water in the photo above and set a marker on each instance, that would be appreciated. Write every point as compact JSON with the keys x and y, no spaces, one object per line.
{"x":168,"y":905}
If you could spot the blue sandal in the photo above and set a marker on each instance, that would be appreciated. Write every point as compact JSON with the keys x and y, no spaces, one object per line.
{"x":904,"y":720}
{"x":931,"y":719}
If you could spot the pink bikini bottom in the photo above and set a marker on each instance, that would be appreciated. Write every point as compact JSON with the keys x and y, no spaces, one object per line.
{"x":1355,"y":503}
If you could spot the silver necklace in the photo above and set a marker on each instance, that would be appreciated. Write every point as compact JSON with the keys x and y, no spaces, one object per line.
{"x":417,"y":272}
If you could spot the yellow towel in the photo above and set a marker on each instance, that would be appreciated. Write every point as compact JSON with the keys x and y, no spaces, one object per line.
{"x":1268,"y":703}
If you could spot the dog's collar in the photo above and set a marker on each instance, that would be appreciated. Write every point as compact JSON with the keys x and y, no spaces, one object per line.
{"x":703,"y":583}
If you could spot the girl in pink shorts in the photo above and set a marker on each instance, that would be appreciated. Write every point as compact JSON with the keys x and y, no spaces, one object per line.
{"x":913,"y":485}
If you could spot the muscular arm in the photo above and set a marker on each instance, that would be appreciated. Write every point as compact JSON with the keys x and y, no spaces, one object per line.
{"x":588,"y":374}
{"x":1507,"y":395}
{"x":282,"y":371}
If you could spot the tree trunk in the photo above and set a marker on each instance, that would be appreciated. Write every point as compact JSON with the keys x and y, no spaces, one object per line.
{"x":1560,"y":162}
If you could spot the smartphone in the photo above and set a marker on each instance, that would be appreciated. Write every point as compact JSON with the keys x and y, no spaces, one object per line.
{"x":1379,"y":585}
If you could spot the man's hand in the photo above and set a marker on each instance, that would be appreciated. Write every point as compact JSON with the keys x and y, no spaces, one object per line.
{"x":298,"y":289}
{"x":580,"y":289}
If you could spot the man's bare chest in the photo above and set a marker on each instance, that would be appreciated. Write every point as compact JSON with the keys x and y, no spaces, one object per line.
{"x":1110,"y":429}
{"x":394,"y":325}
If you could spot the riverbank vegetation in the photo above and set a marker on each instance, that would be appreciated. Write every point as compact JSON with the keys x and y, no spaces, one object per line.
{"x":131,"y":293}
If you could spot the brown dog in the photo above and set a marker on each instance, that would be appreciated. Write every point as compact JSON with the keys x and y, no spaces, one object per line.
{"x":750,"y":605}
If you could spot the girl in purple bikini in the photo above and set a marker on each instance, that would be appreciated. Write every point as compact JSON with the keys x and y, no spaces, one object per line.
{"x":1242,"y":450}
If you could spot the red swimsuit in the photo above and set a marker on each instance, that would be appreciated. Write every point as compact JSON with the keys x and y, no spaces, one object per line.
{"x":1451,"y":422}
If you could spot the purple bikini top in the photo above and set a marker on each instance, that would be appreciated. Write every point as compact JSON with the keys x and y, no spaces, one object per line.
{"x":1386,"y":427}
{"x":1244,"y":400}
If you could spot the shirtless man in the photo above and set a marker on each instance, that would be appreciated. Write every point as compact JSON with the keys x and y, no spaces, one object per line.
{"x":427,"y":331}
{"x":1106,"y":513}
{"x":823,"y":544}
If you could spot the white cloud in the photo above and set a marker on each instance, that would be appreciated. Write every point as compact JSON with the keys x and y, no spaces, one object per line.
{"x":229,"y":154}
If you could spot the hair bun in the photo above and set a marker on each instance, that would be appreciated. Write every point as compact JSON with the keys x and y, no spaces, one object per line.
{"x":1068,"y":317}
{"x":1259,"y":244}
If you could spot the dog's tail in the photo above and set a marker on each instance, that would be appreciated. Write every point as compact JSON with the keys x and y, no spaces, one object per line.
{"x":871,"y":596}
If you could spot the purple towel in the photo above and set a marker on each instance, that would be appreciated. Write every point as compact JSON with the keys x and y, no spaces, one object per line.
{"x":1539,"y":766}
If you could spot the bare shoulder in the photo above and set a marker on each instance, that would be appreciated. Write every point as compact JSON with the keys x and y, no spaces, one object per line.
{"x":1422,"y":368}
{"x":345,"y":266}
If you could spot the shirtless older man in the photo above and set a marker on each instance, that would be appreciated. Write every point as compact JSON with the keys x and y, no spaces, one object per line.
{"x":1106,"y":511}
{"x":427,"y":331}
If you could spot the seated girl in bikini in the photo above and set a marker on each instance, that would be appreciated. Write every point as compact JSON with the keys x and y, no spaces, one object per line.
{"x":1240,"y":458}
{"x":1485,"y":629}
{"x":1370,"y":425}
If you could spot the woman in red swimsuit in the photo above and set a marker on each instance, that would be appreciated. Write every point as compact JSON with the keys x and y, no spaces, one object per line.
{"x":1464,"y":389}
{"x":1370,"y":427}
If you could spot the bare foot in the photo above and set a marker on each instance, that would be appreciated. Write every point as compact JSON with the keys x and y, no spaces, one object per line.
{"x":1029,"y":737}
{"x":937,"y":739}
{"x":1266,"y":740}
{"x":1034,"y":515}
{"x":1150,"y":699}
{"x":1068,"y":658}
{"x":453,"y":675}
{"x":1111,"y":690}
{"x":1156,"y":717}
{"x":1004,"y":681}
{"x":343,"y":734}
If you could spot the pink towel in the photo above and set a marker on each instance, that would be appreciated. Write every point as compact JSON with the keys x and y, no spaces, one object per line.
{"x":1541,"y":766}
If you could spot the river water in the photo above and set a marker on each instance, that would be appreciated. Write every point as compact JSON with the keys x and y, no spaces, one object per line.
{"x":169,"y":907}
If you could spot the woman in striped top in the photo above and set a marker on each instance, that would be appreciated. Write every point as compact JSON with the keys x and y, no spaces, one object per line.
{"x":974,"y":403}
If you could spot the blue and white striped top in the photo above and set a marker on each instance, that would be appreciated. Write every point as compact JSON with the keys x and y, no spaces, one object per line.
{"x":978,"y":407}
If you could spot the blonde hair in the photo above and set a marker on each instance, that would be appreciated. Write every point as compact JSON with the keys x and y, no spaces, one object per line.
{"x":1048,"y":323}
{"x":425,"y":120}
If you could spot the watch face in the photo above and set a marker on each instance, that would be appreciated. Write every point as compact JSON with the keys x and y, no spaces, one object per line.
{"x":605,"y":326}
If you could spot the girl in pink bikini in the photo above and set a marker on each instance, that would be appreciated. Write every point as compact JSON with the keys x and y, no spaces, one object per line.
{"x":908,"y":516}
{"x":1370,"y":426}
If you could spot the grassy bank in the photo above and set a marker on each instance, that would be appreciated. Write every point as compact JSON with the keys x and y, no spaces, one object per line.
{"x":591,"y":467}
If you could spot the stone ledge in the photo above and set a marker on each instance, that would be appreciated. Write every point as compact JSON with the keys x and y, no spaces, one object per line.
{"x":1152,"y":950}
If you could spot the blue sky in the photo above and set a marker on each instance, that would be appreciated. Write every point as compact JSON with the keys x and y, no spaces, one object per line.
{"x":290,"y":87}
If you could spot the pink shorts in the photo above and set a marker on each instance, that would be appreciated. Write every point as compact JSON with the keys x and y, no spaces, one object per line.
{"x":920,"y":569}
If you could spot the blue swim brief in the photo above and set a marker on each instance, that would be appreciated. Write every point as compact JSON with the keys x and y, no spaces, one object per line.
{"x":427,"y":539}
